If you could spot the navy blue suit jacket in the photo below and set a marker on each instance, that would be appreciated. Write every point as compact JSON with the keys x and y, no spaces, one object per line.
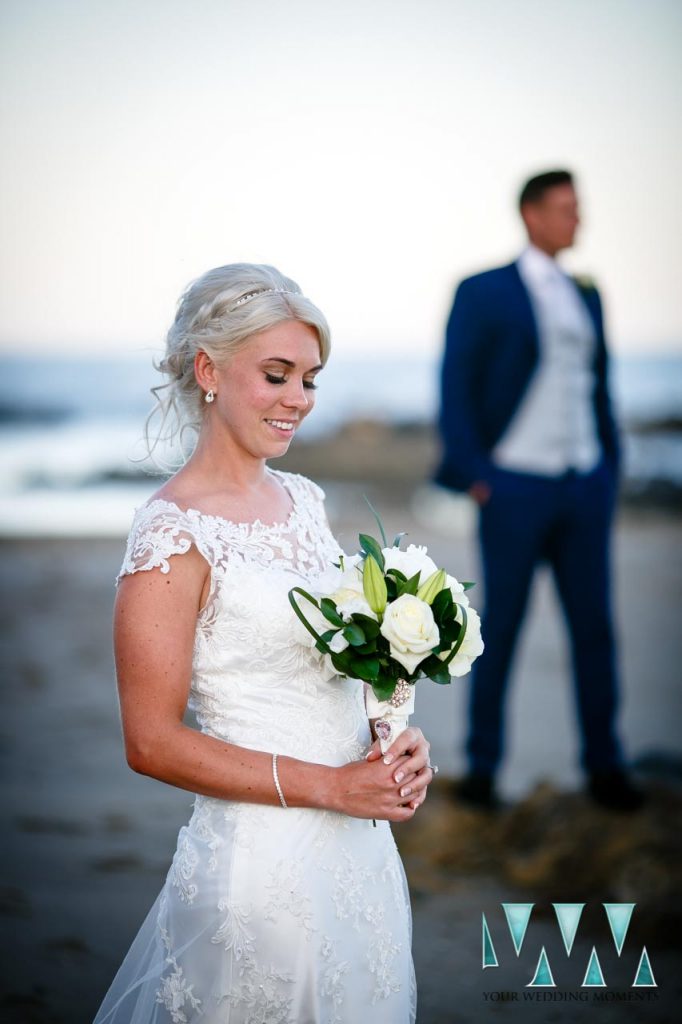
{"x":492,"y":350}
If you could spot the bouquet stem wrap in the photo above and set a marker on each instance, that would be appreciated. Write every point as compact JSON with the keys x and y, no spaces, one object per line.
{"x":391,"y":720}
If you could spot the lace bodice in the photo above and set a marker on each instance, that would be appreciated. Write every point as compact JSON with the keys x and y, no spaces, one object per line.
{"x":253,"y":682}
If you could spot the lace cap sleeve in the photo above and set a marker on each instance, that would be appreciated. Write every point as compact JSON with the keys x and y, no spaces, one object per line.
{"x":315,"y":489}
{"x":160,"y":530}
{"x":301,"y":486}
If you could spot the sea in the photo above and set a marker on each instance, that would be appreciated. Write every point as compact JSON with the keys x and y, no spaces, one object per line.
{"x":73,"y":461}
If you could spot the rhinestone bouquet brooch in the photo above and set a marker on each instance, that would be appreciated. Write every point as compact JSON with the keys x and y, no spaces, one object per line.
{"x":388,"y":617}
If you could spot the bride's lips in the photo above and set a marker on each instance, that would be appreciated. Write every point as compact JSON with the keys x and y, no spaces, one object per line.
{"x":281,"y":430}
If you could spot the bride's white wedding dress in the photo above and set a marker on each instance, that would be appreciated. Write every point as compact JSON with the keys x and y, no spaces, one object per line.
{"x":268,"y":915}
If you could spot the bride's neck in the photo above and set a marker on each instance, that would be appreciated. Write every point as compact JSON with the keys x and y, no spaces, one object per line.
{"x":226,"y":466}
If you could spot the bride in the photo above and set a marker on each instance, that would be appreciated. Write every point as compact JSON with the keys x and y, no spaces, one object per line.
{"x":283,"y":903}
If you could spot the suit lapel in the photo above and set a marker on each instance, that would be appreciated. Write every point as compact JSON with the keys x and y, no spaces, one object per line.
{"x":523,"y":307}
{"x":587,"y":295}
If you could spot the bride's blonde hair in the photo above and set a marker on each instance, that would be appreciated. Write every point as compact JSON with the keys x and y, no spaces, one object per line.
{"x":218,"y":313}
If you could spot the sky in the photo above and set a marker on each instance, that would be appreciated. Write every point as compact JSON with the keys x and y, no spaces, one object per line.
{"x":370,"y":149}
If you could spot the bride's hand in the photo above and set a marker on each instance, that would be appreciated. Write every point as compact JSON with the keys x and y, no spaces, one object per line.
{"x":364,"y":790}
{"x":409,"y":757}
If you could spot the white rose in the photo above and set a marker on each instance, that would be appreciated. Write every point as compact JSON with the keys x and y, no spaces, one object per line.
{"x":410,"y":629}
{"x":409,"y":562}
{"x":457,"y":591}
{"x":349,"y":602}
{"x":472,"y":646}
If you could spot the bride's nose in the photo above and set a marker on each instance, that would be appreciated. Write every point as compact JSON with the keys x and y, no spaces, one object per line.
{"x":296,"y":396}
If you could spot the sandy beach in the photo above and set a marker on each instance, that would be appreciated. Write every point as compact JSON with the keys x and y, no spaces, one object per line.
{"x":89,"y":843}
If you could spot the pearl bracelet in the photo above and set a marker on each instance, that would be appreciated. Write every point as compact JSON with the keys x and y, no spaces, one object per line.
{"x":275,"y":776}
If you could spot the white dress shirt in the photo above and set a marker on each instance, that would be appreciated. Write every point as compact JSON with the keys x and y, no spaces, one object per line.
{"x":554,"y":427}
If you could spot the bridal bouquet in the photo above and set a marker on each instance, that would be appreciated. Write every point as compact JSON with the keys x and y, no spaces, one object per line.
{"x":389,"y":617}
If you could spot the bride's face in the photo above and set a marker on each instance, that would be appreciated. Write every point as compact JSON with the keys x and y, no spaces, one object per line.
{"x":267,"y":388}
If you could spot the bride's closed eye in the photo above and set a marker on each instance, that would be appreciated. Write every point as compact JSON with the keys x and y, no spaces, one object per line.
{"x":272,"y":379}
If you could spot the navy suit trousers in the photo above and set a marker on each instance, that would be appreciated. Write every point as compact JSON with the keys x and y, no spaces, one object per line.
{"x":566,"y":522}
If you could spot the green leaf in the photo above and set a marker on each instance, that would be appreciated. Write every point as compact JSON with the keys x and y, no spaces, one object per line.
{"x":294,"y":604}
{"x":373,"y":667}
{"x":371,"y":547}
{"x":383,"y":690}
{"x":369,"y":626}
{"x":341,"y":663}
{"x":374,"y":585}
{"x":354,"y":634}
{"x":440,"y":675}
{"x":467,"y":584}
{"x":449,"y":634}
{"x":323,"y":643}
{"x":398,"y":574}
{"x":367,"y":648}
{"x":460,"y":639}
{"x":328,"y":609}
{"x":384,"y":652}
{"x":379,"y":523}
{"x":442,"y":606}
{"x":435,"y":669}
{"x":364,"y":668}
{"x":410,"y":586}
{"x":358,"y":668}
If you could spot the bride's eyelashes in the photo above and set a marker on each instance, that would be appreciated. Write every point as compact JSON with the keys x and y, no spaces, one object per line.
{"x":271,"y":379}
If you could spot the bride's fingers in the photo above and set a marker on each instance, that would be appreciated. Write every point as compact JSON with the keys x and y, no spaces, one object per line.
{"x":415,"y":801}
{"x":409,"y":757}
{"x":417,"y":761}
{"x":419,"y":794}
{"x":408,"y":741}
{"x":415,"y":784}
{"x":418,"y":801}
{"x":412,"y":743}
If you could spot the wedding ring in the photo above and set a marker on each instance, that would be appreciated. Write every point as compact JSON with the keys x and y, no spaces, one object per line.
{"x":434,"y":768}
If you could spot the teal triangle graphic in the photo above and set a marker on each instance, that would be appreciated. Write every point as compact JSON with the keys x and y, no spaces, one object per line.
{"x":518,"y":916}
{"x":543,"y":975}
{"x":645,"y":976}
{"x":488,"y":956}
{"x":619,"y":915}
{"x":593,"y":975}
{"x":568,"y":916}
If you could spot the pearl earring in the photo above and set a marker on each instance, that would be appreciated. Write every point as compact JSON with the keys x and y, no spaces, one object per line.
{"x":209,"y":396}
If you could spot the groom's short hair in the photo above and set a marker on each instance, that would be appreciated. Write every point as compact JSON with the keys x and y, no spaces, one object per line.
{"x":535,"y":187}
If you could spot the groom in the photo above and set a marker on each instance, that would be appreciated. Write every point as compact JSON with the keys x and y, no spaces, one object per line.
{"x":527,"y":431}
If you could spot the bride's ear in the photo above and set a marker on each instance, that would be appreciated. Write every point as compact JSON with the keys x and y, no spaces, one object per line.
{"x":204,"y":371}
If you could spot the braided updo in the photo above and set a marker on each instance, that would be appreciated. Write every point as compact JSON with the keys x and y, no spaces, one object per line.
{"x":218,"y":313}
